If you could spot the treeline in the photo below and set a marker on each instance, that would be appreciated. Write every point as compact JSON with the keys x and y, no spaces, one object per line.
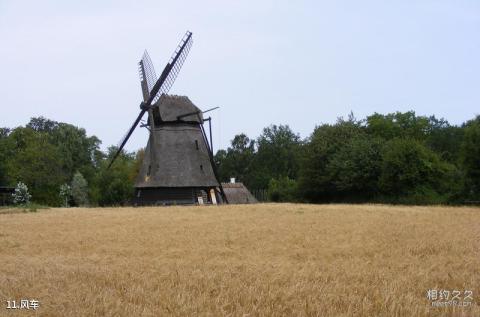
{"x":47,"y":155}
{"x":393,"y":158}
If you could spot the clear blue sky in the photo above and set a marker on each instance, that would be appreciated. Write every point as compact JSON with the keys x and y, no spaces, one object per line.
{"x":300,"y":63}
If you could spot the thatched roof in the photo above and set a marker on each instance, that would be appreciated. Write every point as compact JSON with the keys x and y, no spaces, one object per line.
{"x":173,"y":106}
{"x":237,"y":193}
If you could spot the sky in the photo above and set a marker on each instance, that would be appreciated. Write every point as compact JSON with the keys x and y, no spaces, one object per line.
{"x":301,"y":63}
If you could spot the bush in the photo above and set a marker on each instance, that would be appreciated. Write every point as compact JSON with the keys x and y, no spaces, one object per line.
{"x":33,"y":207}
{"x":21,"y":195}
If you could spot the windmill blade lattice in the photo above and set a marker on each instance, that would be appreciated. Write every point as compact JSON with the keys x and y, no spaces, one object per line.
{"x":147,"y":73}
{"x":176,"y":61}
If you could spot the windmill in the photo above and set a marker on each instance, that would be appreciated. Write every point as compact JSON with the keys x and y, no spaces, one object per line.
{"x":178,"y":166}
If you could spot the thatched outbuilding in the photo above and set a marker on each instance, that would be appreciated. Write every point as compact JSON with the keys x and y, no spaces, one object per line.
{"x":237,"y":193}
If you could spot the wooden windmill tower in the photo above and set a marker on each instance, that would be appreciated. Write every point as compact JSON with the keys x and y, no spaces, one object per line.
{"x":178,"y":166}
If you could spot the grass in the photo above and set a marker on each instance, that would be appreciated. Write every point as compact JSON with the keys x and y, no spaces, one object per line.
{"x":13,"y":209}
{"x":245,"y":260}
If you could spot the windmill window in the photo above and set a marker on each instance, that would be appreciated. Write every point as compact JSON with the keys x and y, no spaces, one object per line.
{"x":149,"y":170}
{"x":196,"y":144}
{"x":201,"y":167}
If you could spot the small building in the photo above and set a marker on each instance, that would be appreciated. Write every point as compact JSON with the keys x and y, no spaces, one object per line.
{"x":237,"y":193}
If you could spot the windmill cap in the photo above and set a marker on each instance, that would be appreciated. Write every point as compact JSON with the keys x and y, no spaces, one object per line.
{"x":178,"y":108}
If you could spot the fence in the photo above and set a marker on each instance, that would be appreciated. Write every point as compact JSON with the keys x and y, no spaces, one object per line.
{"x":260,"y":194}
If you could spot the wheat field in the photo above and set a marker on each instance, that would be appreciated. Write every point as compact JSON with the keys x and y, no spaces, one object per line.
{"x":243,"y":260}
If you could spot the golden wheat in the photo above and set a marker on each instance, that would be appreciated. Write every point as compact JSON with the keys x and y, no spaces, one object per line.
{"x":244,"y":260}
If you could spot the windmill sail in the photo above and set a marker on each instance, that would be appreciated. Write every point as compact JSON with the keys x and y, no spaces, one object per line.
{"x":174,"y":65}
{"x":148,"y":77}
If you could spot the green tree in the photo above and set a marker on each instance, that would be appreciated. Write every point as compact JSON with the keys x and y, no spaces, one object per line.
{"x":277,"y":156}
{"x":398,"y":124}
{"x":236,"y":161}
{"x":45,"y":154}
{"x":115,"y":184}
{"x":411,"y":173}
{"x":42,"y":124}
{"x":445,"y":139}
{"x":79,"y":152}
{"x":34,"y":160}
{"x":354,"y":169}
{"x":470,"y":154}
{"x":137,"y":164}
{"x":79,"y":189}
{"x":4,"y":154}
{"x":315,"y":181}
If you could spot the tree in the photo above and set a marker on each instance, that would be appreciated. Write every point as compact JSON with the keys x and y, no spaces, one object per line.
{"x":411,"y":173}
{"x":65,"y":194}
{"x":315,"y":180}
{"x":4,"y":132}
{"x":236,"y":161}
{"x":41,"y":124}
{"x":45,"y":154}
{"x":470,"y":154}
{"x":398,"y":124}
{"x":115,"y":185}
{"x":79,"y":152}
{"x":137,"y":164}
{"x":445,"y":139}
{"x":21,"y":196}
{"x":277,"y":156}
{"x":354,"y":169}
{"x":79,"y":189}
{"x":37,"y":162}
{"x":4,"y":154}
